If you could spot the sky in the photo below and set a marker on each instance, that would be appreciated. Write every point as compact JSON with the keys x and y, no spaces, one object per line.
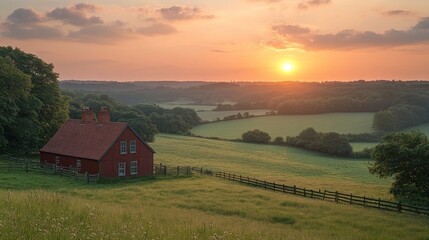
{"x":223,"y":40}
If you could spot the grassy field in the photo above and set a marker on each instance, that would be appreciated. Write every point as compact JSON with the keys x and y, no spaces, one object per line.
{"x":171,"y":105}
{"x":50,"y":207}
{"x":213,"y":115}
{"x":281,"y":164}
{"x":288,"y":125}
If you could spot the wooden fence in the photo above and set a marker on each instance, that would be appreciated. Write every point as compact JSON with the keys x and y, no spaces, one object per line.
{"x":27,"y":165}
{"x":172,"y":171}
{"x":322,"y":195}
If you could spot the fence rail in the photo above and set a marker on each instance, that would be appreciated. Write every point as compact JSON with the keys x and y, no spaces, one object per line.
{"x":27,"y":165}
{"x":319,"y":194}
{"x":172,"y":171}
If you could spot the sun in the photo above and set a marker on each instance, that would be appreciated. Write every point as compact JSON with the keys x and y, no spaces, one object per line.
{"x":287,"y":67}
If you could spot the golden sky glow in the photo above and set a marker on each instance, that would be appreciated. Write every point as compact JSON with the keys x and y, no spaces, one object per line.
{"x":223,"y":40}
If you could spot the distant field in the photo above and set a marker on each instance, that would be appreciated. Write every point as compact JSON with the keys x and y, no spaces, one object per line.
{"x":199,"y":207}
{"x":212,"y":115}
{"x":289,"y":125}
{"x":359,"y":146}
{"x":172,"y":105}
{"x":274,"y":163}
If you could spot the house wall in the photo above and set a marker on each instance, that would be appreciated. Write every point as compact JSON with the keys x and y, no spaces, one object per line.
{"x":87,"y":165}
{"x":143,"y":156}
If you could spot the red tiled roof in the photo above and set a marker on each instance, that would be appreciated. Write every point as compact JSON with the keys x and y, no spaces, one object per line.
{"x":89,"y":140}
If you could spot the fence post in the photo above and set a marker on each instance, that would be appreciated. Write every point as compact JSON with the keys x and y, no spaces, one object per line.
{"x":201,"y":170}
{"x":399,"y":206}
{"x":379,"y":202}
{"x":336,"y":196}
{"x":311,"y":193}
{"x":364,"y":200}
{"x":351,"y":198}
{"x":294,"y":189}
{"x":265,"y":184}
{"x":324,"y":194}
{"x":274,"y":186}
{"x":87,"y":177}
{"x":305,"y":195}
{"x":283,"y":188}
{"x":256,"y":183}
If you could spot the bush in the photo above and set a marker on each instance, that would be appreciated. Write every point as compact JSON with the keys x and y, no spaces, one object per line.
{"x":279,"y":140}
{"x":256,"y":136}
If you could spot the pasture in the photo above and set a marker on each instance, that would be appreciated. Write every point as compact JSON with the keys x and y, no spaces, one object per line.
{"x":281,"y":164}
{"x":200,"y":207}
{"x":213,"y":115}
{"x":288,"y":125}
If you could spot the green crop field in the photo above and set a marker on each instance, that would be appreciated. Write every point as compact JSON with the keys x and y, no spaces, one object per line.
{"x":213,"y":115}
{"x":34,"y":206}
{"x":282,"y":164}
{"x":288,"y":125}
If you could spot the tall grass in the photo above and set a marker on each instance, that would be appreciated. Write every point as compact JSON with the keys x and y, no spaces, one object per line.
{"x":187,"y":208}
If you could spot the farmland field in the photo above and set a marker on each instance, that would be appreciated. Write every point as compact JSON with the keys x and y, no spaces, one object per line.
{"x":288,"y":125}
{"x":200,"y":207}
{"x":281,"y":164}
{"x":171,"y":105}
{"x":212,"y":115}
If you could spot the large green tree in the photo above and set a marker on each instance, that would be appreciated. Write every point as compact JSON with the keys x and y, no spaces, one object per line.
{"x":405,"y":157}
{"x":18,"y":110}
{"x":45,"y":87}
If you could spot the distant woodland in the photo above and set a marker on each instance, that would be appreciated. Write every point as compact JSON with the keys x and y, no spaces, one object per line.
{"x":398,"y":104}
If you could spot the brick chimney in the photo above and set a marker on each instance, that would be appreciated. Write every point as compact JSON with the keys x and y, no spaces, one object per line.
{"x":88,"y":115}
{"x":103,"y":115}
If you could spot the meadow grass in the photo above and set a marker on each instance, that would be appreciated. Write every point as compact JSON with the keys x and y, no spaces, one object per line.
{"x":282,"y":164}
{"x":288,"y":125}
{"x":199,"y":207}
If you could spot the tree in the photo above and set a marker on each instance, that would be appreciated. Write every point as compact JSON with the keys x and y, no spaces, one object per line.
{"x":54,"y":110}
{"x":18,"y":110}
{"x":256,"y":136}
{"x":405,"y":157}
{"x":279,"y":140}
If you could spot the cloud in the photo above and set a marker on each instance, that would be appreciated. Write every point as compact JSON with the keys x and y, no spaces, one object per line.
{"x":177,"y":13}
{"x":75,"y":15}
{"x":28,"y":24}
{"x":104,"y":33}
{"x":398,"y":13}
{"x":24,"y":16}
{"x":290,"y":29}
{"x":19,"y":31}
{"x":313,"y":3}
{"x":290,"y":37}
{"x":157,"y":29}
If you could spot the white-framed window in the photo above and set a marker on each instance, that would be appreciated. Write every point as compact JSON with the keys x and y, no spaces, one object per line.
{"x":133,"y":144}
{"x":121,"y":169}
{"x":123,"y":147}
{"x":78,"y":163}
{"x":133,"y":168}
{"x":57,"y":160}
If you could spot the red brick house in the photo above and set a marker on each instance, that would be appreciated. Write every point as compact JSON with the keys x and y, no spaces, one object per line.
{"x":111,"y":148}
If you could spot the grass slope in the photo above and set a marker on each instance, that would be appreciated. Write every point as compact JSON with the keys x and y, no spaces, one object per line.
{"x":212,"y":115}
{"x":185,"y":208}
{"x":288,"y":125}
{"x":286,"y":165}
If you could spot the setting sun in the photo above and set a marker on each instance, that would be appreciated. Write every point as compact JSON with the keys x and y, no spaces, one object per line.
{"x":287,"y":67}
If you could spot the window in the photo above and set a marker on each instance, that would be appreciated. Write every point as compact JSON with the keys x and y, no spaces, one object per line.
{"x":78,"y":163}
{"x":121,"y":169}
{"x":133,"y":146}
{"x":57,"y":160}
{"x":133,"y":167}
{"x":123,"y":147}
